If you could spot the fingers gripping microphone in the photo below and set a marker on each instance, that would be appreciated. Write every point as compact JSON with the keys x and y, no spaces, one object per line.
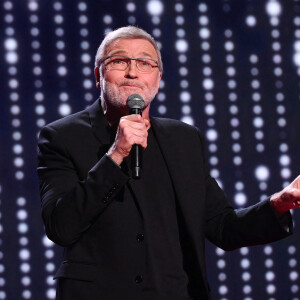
{"x":135,"y":104}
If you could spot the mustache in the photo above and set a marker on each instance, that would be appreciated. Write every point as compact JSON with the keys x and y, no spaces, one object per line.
{"x":131,"y":83}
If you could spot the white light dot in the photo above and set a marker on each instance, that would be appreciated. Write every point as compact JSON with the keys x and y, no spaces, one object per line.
{"x":179,"y":20}
{"x":262,"y":173}
{"x":223,"y":290}
{"x":210,"y":109}
{"x":188,"y":120}
{"x":50,"y":267}
{"x":40,"y":109}
{"x":25,"y":267}
{"x":270,"y":276}
{"x":244,"y":250}
{"x":87,"y":83}
{"x":271,"y":289}
{"x":297,"y":59}
{"x":251,"y":21}
{"x":49,"y":254}
{"x":295,"y":289}
{"x":273,"y":8}
{"x":246,"y":276}
{"x":183,"y":71}
{"x":292,"y":250}
{"x":294,"y":275}
{"x":33,"y":5}
{"x":26,"y":281}
{"x":284,"y":160}
{"x":17,"y":149}
{"x":18,"y":162}
{"x":162,"y":109}
{"x":245,"y":263}
{"x":221,"y":263}
{"x":22,"y":214}
{"x":82,"y":6}
{"x":185,"y":97}
{"x":51,"y":293}
{"x":24,"y":254}
{"x":10,"y":44}
{"x":285,"y":173}
{"x":203,"y":20}
{"x":247,"y":289}
{"x":229,"y":46}
{"x":181,"y":45}
{"x":212,"y":135}
{"x":83,"y":19}
{"x":26,"y":294}
{"x":155,"y":7}
{"x":240,"y":199}
{"x":204,"y":33}
{"x":208,"y":84}
{"x":258,"y":122}
{"x":62,"y":71}
{"x":46,"y":242}
{"x":64,"y":109}
{"x":292,"y":263}
{"x":186,"y":109}
{"x":11,"y":57}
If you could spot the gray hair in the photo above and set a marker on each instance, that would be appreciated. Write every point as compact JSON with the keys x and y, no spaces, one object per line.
{"x":128,"y":32}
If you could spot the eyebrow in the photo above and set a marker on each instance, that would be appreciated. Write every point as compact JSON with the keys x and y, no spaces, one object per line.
{"x":123,"y":52}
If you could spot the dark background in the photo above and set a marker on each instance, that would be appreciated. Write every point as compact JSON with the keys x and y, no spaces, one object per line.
{"x":236,"y":78}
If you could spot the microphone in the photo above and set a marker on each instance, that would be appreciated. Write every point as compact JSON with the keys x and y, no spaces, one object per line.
{"x":135,"y":104}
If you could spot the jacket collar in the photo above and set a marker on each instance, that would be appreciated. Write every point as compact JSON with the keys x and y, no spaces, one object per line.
{"x":99,"y":122}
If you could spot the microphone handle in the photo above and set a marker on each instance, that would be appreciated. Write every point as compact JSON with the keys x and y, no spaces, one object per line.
{"x":136,"y":152}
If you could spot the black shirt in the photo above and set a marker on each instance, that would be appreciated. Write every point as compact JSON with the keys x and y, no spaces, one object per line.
{"x":163,"y":276}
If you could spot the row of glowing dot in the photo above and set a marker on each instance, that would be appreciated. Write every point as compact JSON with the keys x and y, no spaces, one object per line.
{"x":258,"y":121}
{"x":86,"y":58}
{"x":12,"y":59}
{"x":240,"y":197}
{"x":281,"y":122}
{"x":182,"y":47}
{"x":209,"y":109}
{"x":38,"y":83}
{"x":155,"y":9}
{"x":297,"y":44}
{"x":62,"y":71}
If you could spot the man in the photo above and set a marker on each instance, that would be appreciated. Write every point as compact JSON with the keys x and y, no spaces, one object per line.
{"x":142,"y":239}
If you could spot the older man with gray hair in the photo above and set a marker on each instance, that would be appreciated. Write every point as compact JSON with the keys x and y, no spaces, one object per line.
{"x":139,"y":239}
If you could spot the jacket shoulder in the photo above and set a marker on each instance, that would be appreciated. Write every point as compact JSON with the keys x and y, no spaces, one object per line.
{"x":70,"y":120}
{"x":174,"y":125}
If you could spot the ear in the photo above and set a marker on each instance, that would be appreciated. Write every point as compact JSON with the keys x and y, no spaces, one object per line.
{"x":97,"y":77}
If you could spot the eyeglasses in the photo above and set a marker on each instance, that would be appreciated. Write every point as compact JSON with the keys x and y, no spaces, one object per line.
{"x":120,"y":62}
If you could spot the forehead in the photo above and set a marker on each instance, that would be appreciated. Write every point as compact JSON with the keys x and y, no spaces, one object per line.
{"x":132,"y":47}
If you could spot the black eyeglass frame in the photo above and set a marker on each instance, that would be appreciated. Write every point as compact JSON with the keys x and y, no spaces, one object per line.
{"x":132,"y":58}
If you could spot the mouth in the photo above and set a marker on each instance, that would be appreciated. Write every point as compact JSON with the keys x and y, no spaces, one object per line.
{"x":130,"y":86}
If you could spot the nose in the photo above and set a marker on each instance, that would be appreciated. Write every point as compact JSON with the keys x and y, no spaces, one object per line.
{"x":131,"y":71}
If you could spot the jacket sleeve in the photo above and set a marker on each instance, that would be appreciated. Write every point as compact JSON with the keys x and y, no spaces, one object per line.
{"x":230,"y":228}
{"x":70,"y":205}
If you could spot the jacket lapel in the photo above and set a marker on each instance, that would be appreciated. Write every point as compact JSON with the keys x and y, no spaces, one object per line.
{"x":98,"y":123}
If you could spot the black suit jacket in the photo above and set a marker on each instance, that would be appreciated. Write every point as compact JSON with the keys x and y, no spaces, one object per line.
{"x":79,"y":183}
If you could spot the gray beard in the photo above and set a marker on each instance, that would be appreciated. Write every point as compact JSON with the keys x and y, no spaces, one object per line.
{"x":114,"y":97}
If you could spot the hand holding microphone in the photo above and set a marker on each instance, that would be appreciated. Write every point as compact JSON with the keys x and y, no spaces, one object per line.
{"x":131,"y":135}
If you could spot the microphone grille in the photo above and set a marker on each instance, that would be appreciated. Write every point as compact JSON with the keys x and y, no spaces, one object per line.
{"x":135,"y":101}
